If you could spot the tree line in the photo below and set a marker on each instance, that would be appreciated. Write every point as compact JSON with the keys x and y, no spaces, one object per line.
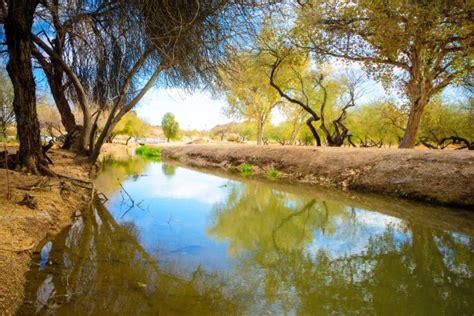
{"x":102,"y":57}
{"x":415,"y":50}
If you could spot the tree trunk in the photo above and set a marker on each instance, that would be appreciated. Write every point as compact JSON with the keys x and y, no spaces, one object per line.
{"x":74,"y":135}
{"x":128,"y":139}
{"x":309,"y":122}
{"x":95,"y":149}
{"x":260,"y":127}
{"x":18,"y":37}
{"x":413,"y":124}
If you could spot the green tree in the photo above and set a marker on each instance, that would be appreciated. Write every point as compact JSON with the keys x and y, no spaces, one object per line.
{"x":249,"y":96}
{"x":305,"y":137}
{"x":132,"y":126}
{"x":324,"y":95}
{"x":420,"y":46}
{"x":444,"y":124}
{"x":170,"y":126}
{"x":377,"y":124}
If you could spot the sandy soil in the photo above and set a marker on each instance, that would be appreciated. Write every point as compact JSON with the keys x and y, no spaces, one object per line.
{"x":445,"y":177}
{"x":23,"y":229}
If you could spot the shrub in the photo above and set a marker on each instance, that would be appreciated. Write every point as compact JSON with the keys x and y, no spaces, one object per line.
{"x":148,"y":152}
{"x":245,"y":169}
{"x":272,"y":174}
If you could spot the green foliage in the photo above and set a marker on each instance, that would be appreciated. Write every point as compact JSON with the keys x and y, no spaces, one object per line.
{"x":272,"y":174}
{"x":278,"y":133}
{"x":131,"y":125}
{"x":246,"y":169}
{"x":442,"y":121}
{"x":168,"y":170}
{"x":416,"y":47}
{"x":153,"y":153}
{"x":246,"y":131}
{"x":249,"y":95}
{"x":170,"y":127}
{"x":305,"y":137}
{"x":377,"y":124}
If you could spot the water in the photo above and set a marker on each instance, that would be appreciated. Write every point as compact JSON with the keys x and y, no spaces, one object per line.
{"x":174,"y":241}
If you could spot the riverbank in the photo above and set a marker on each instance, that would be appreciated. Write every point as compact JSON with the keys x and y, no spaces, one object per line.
{"x":38,"y":208}
{"x":442,"y":177}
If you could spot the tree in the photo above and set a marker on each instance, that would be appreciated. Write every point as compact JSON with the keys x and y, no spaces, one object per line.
{"x":420,"y":47}
{"x":324,"y":97}
{"x":118,"y":52}
{"x":295,"y":119}
{"x":18,"y":25}
{"x":7,"y":115}
{"x":444,"y":124}
{"x":170,"y":127}
{"x":248,"y":94}
{"x":376,"y":124}
{"x":132,"y":126}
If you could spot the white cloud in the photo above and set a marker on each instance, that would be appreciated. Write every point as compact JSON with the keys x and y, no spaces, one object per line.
{"x":193,"y":110}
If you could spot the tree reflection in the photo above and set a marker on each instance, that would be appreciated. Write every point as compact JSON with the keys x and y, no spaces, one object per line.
{"x":284,"y":246}
{"x":168,"y":170}
{"x":411,"y":269}
{"x":112,"y":172}
{"x":98,"y":267}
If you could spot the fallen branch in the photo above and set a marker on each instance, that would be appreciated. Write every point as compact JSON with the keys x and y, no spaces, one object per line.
{"x":132,"y":205}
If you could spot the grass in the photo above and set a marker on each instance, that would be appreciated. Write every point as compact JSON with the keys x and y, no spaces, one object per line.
{"x":272,"y":174}
{"x":246,"y":169}
{"x":148,"y":152}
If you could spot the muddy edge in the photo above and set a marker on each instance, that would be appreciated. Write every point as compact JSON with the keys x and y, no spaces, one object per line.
{"x":440,"y":177}
{"x":25,"y":224}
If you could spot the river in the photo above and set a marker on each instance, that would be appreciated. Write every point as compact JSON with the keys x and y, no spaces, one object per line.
{"x":168,"y":240}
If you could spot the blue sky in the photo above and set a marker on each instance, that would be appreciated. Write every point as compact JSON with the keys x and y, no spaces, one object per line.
{"x":193,"y":110}
{"x":200,"y":110}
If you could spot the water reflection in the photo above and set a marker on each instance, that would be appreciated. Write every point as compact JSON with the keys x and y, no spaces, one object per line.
{"x":320,"y":257}
{"x":203,"y":244}
{"x":99,"y":268}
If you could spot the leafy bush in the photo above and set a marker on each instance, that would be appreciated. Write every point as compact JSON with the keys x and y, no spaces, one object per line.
{"x":148,"y":152}
{"x":246,"y":169}
{"x":272,"y":174}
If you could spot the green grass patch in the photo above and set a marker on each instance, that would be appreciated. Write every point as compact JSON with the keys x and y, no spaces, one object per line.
{"x":246,"y":169}
{"x":272,"y":174}
{"x":148,"y":152}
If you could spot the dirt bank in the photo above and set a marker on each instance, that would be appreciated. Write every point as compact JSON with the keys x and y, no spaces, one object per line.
{"x":444,"y":177}
{"x":53,"y":202}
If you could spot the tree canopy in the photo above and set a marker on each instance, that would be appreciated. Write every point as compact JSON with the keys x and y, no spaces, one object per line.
{"x":170,"y":126}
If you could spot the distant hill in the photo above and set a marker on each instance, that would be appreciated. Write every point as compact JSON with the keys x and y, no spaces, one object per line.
{"x":226,"y":128}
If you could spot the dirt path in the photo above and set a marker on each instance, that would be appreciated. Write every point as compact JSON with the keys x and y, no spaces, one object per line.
{"x":22,"y":228}
{"x":445,"y":177}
